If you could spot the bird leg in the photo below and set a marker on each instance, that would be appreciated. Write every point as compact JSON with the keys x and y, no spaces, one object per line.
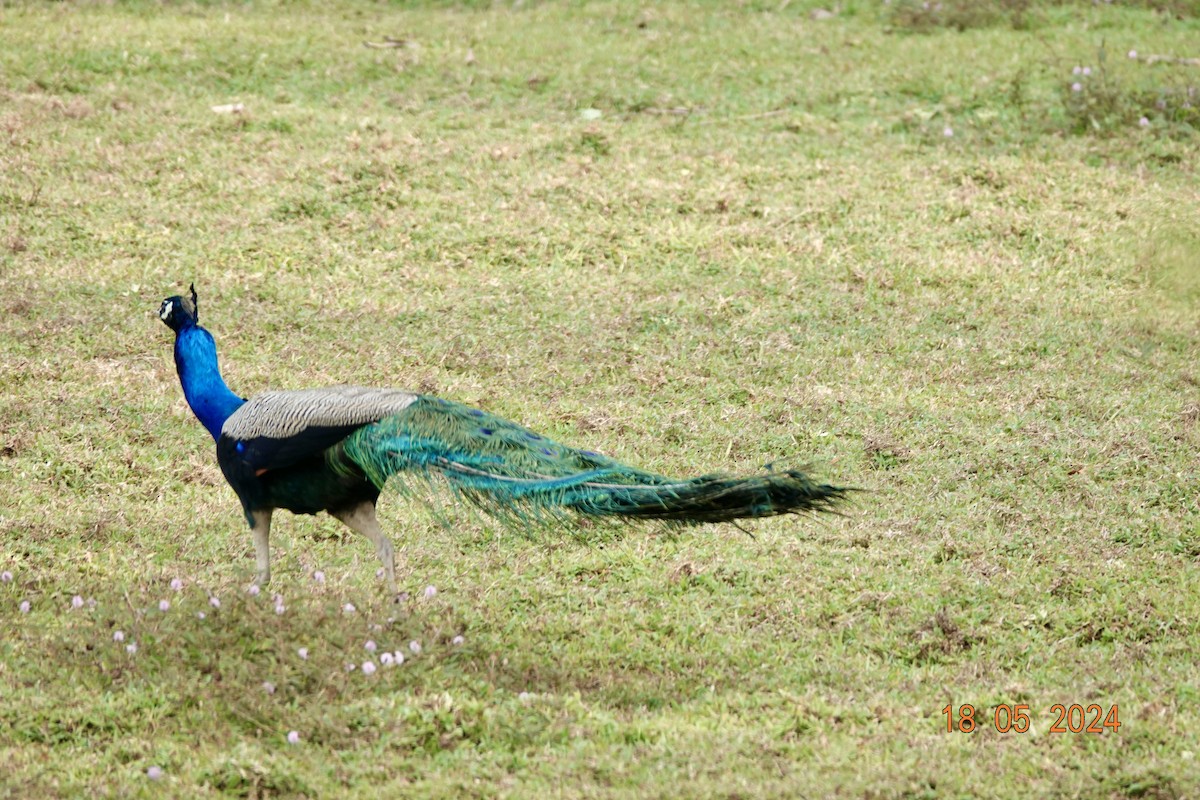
{"x":260,"y":529}
{"x":361,"y":519}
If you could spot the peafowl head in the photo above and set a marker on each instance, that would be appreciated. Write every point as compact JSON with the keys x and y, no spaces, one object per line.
{"x":180,"y":312}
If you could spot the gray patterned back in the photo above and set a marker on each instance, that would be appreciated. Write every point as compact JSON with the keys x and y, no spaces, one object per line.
{"x":278,"y":415}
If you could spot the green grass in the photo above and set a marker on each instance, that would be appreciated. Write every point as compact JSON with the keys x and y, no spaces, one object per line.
{"x":763,"y":247}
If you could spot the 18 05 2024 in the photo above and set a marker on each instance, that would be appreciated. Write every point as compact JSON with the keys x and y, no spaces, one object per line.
{"x":1005,"y":718}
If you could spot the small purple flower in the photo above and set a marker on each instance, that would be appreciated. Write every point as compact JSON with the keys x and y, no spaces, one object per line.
{"x":131,"y":648}
{"x":24,"y":607}
{"x":214,"y":601}
{"x":5,"y":577}
{"x":368,"y":668}
{"x":319,"y":576}
{"x":430,"y":592}
{"x":293,"y":737}
{"x":399,"y":656}
{"x":1077,"y":71}
{"x":457,"y":640}
{"x":118,"y":636}
{"x":1133,"y":53}
{"x":1087,"y":71}
{"x":253,"y":590}
{"x":1144,"y":122}
{"x":387,"y":659}
{"x":348,"y":608}
{"x":200,"y":615}
{"x":947,"y":131}
{"x":154,"y":773}
{"x":1076,"y":87}
{"x":177,"y":584}
{"x":76,"y":602}
{"x":369,"y":646}
{"x":415,"y":646}
{"x":302,"y":652}
{"x":164,"y":605}
{"x":280,"y":608}
{"x":268,"y":687}
{"x":350,"y":666}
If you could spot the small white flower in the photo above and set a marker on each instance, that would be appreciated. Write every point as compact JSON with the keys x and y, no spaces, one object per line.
{"x":293,"y":737}
{"x":24,"y":607}
{"x":1133,"y":53}
{"x":302,"y":652}
{"x":319,"y":576}
{"x":457,"y":640}
{"x":350,"y":666}
{"x":200,"y":615}
{"x":5,"y":577}
{"x":215,"y":602}
{"x":1144,"y":122}
{"x":415,"y":646}
{"x":277,"y":598}
{"x":280,"y":608}
{"x":348,"y":608}
{"x":430,"y":592}
{"x":76,"y":602}
{"x":368,"y":668}
{"x":154,"y":773}
{"x":164,"y":605}
{"x":1077,"y":71}
{"x":131,"y":648}
{"x":399,"y":656}
{"x":1076,"y":87}
{"x":524,"y":697}
{"x":268,"y":687}
{"x":387,"y":659}
{"x":176,"y":584}
{"x":369,"y":646}
{"x":947,"y":131}
{"x":253,"y":590}
{"x":1087,"y":70}
{"x":118,"y":636}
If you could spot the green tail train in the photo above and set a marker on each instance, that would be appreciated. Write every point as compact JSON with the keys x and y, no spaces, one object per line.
{"x":510,"y":471}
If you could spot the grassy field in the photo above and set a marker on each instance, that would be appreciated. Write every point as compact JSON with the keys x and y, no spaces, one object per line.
{"x":916,"y":249}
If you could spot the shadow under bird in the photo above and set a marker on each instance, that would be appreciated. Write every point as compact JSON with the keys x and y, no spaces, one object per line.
{"x":333,"y":449}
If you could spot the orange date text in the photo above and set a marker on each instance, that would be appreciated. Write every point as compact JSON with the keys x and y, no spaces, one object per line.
{"x":1004,"y":718}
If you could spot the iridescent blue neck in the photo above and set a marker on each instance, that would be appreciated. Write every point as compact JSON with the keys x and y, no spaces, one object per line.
{"x":205,"y":390}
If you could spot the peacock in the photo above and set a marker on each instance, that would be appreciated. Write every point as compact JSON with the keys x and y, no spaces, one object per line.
{"x":333,"y":449}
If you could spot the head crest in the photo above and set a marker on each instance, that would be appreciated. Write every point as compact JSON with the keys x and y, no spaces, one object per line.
{"x":180,"y":312}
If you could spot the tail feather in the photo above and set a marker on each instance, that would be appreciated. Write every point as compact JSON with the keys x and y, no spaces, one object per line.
{"x":510,"y":471}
